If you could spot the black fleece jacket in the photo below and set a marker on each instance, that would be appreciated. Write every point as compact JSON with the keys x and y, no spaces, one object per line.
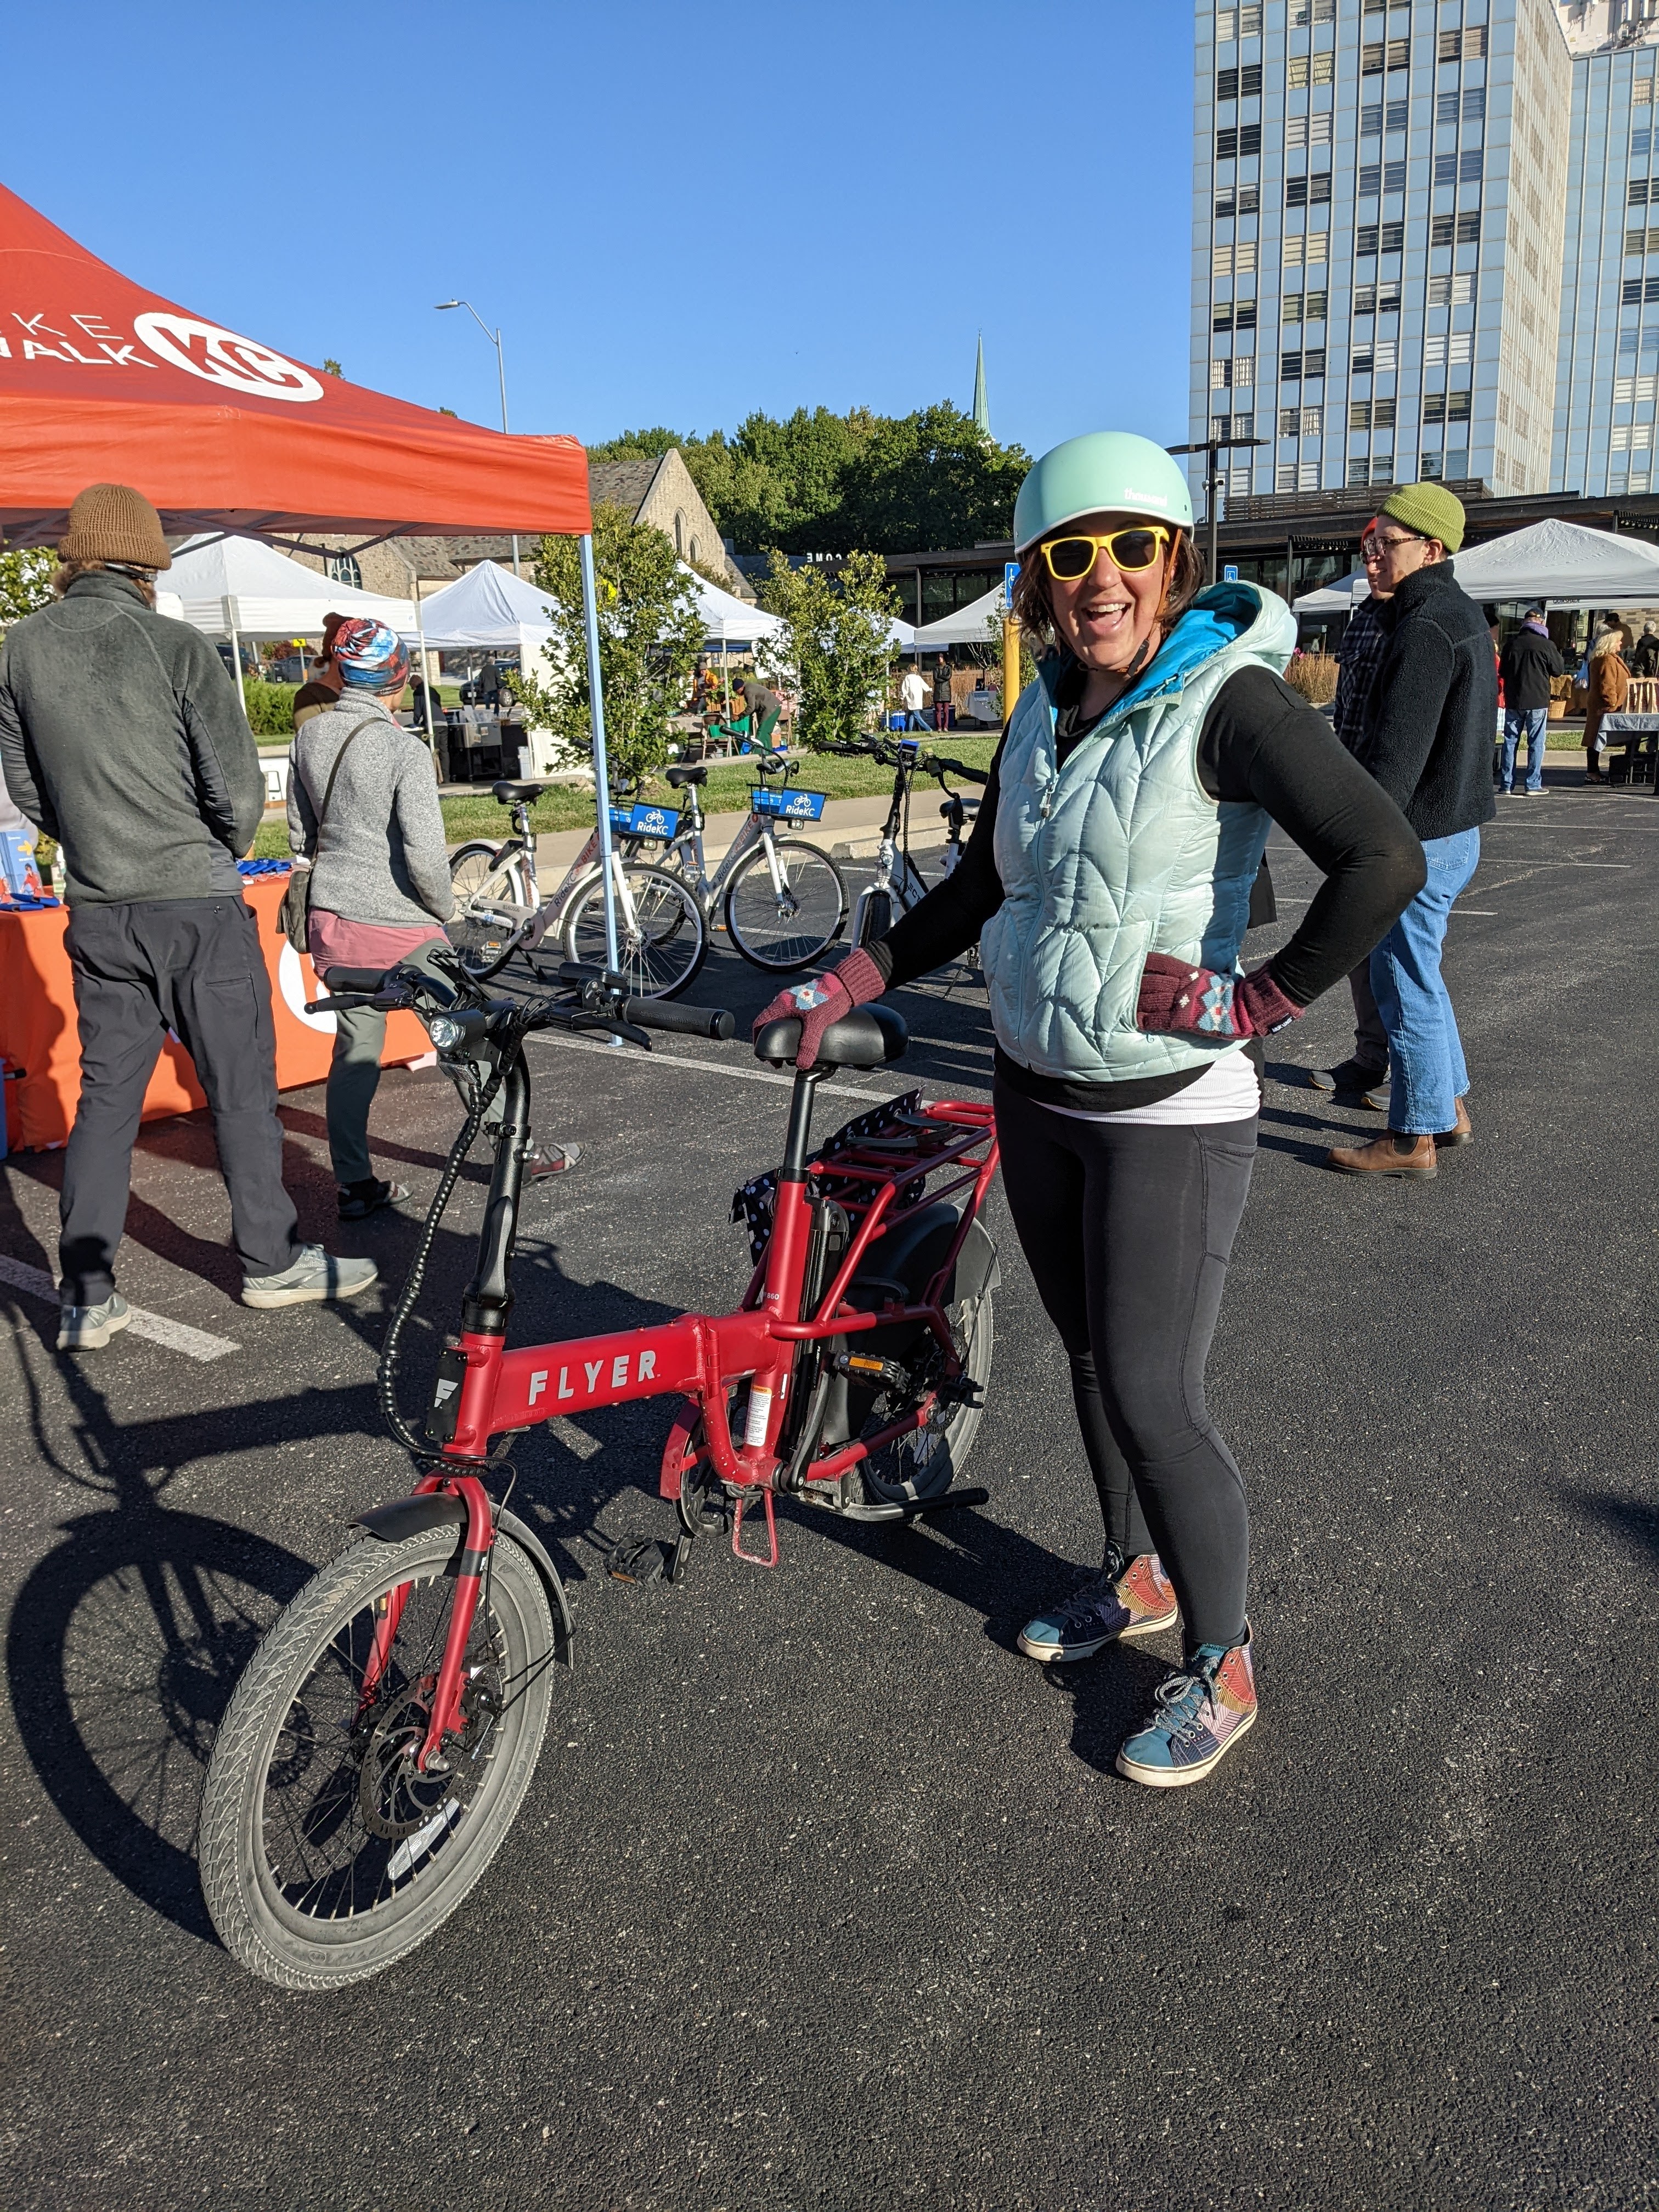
{"x":121,"y":735}
{"x":1431,"y":717}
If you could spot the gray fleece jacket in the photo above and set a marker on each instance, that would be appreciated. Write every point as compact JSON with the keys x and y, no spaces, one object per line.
{"x":382,"y":857}
{"x":122,"y":736}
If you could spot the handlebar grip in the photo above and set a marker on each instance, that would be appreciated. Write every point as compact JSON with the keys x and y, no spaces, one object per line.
{"x":681,"y":1021}
{"x":354,"y":979}
{"x":979,"y":775}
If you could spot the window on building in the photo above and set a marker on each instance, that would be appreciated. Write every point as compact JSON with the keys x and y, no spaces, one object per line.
{"x":1238,"y":83}
{"x":1443,"y":347}
{"x":1237,"y":23}
{"x":1377,"y":298}
{"x":1313,"y":129}
{"x":1290,"y":422}
{"x":1374,"y":360}
{"x":1231,"y":145}
{"x":1468,"y":106}
{"x":1304,"y":12}
{"x":1371,"y":414}
{"x":1445,"y":406}
{"x":1294,"y":366}
{"x":1456,"y":168}
{"x":1641,"y":92}
{"x":679,"y":534}
{"x":1378,"y":55}
{"x":1377,"y":117}
{"x":1376,"y":177}
{"x":342,"y":568}
{"x":1629,"y":389}
{"x":1313,"y":421}
{"x":1454,"y":230}
{"x":1642,"y":241}
{"x":1233,"y":315}
{"x":1641,"y":144}
{"x":1638,"y":290}
{"x":1312,"y":190}
{"x":1467,"y":45}
{"x":1284,"y":477}
{"x":1359,"y":470}
{"x":1455,"y":290}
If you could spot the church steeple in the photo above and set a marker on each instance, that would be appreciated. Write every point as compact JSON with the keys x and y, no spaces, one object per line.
{"x":981,"y":405}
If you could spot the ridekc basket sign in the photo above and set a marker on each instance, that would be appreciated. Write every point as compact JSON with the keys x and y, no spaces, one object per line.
{"x":101,"y":380}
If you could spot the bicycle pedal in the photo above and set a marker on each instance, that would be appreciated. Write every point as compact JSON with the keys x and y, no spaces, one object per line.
{"x":863,"y":1367}
{"x":635,"y":1557}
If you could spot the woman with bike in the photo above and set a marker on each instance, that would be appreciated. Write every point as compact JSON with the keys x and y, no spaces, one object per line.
{"x":1107,"y":883}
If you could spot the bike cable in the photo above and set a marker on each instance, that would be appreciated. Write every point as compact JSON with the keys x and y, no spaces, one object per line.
{"x":386,"y":1373}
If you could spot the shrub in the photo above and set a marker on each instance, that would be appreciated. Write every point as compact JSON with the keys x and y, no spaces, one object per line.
{"x":269,"y":706}
{"x":1313,"y":675}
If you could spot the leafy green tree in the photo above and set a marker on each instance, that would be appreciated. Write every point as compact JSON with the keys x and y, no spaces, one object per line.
{"x":822,"y":483}
{"x":833,"y":644}
{"x":650,"y":636}
{"x":25,"y":581}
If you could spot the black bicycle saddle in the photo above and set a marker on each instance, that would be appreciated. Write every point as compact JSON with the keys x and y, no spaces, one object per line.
{"x":510,"y":794}
{"x":680,"y":776}
{"x":870,"y":1036}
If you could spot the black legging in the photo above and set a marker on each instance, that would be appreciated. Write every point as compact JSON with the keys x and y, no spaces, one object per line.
{"x":1128,"y":1232}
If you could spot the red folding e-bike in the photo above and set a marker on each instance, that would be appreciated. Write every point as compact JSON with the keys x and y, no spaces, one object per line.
{"x":380,"y":1742}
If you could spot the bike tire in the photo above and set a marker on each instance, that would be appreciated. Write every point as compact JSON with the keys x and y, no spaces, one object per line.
{"x":822,"y":911}
{"x":257,"y":1903}
{"x":665,"y":951}
{"x":491,"y":900}
{"x":925,"y":1463}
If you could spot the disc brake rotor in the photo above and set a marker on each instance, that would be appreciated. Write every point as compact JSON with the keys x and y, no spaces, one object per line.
{"x":393,"y":1795}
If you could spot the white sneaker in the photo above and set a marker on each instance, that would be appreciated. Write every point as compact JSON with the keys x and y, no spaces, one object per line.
{"x":89,"y":1329}
{"x":315,"y":1275}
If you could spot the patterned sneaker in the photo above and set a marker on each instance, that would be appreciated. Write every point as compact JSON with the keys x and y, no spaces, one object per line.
{"x":1200,"y":1714}
{"x":1118,"y":1602}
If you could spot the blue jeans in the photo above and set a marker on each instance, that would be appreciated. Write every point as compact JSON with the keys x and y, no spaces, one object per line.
{"x":1425,"y":1054}
{"x":1531,"y":723}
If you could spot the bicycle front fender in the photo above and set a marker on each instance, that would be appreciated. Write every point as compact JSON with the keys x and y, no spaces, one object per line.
{"x":413,"y":1517}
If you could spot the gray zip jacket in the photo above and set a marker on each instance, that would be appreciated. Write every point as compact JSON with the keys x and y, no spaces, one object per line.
{"x":122,"y":736}
{"x":383,"y":856}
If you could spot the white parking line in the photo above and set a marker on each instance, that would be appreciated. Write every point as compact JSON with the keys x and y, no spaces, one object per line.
{"x":176,"y":1335}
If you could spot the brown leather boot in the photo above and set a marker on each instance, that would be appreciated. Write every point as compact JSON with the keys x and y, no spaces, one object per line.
{"x":1461,"y":1131}
{"x":1390,"y":1155}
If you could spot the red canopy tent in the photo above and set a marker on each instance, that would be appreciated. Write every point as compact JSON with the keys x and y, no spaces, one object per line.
{"x":102,"y":381}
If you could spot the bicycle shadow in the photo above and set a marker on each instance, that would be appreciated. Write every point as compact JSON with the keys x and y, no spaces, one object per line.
{"x":127,"y":1639}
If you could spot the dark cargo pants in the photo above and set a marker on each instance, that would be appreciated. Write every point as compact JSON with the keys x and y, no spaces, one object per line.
{"x":193,"y":966}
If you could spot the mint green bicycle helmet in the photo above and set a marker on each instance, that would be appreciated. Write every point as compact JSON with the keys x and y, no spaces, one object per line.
{"x":1104,"y":471}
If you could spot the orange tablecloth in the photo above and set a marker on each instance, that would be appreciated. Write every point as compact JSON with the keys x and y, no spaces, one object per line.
{"x":38,"y":1027}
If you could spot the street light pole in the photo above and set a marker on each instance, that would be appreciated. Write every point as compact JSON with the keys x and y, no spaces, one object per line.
{"x":1213,"y":448}
{"x":494,"y":338}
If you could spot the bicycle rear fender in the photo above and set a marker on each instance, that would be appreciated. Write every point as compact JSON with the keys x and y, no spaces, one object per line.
{"x":413,"y":1517}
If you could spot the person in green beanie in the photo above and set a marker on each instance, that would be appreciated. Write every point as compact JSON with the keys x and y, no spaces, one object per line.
{"x":1427,"y":739}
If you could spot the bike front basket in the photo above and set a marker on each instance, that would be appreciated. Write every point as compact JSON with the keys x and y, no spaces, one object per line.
{"x":790,"y":806}
{"x":660,"y":822}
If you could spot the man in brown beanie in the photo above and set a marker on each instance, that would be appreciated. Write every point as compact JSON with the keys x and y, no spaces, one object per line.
{"x":122,"y":736}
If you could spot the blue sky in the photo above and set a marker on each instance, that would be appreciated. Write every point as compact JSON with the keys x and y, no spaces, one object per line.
{"x":677,"y":213}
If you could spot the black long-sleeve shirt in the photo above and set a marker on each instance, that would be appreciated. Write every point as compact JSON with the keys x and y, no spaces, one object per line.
{"x":1261,"y":742}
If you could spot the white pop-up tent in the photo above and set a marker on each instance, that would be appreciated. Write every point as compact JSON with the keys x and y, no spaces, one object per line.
{"x":1563,"y":565}
{"x":1340,"y":598}
{"x":490,"y":609}
{"x":727,"y":619}
{"x":969,"y":625}
{"x":232,"y":586}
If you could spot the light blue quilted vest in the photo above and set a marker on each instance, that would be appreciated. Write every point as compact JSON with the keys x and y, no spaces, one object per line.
{"x":1122,"y":853}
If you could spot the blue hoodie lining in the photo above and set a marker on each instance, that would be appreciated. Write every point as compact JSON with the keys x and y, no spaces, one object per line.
{"x":1217,"y":619}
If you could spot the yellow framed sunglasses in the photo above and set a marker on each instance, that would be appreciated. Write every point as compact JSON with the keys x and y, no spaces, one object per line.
{"x":1132,"y":550}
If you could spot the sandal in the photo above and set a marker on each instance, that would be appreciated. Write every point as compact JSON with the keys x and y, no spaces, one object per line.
{"x":360,"y":1198}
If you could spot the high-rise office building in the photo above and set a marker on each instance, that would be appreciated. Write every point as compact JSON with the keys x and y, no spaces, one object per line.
{"x":1385,"y":248}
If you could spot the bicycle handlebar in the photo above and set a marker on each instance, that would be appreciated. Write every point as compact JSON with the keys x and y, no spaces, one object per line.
{"x":681,"y":1021}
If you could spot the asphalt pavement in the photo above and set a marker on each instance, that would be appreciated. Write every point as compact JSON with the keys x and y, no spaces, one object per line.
{"x":823,"y":1896}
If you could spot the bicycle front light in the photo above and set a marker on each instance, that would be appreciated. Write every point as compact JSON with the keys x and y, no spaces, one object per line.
{"x":445,"y":1031}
